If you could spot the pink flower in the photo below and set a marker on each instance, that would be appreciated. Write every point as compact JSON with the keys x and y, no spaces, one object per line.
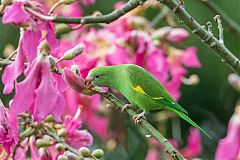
{"x":15,"y":14}
{"x":27,"y":48}
{"x":76,"y":138}
{"x":8,"y":129}
{"x":229,"y":147}
{"x":37,"y":94}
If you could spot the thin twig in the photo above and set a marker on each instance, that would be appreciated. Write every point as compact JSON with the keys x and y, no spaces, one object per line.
{"x":208,"y":39}
{"x":226,"y":18}
{"x":217,"y":18}
{"x":130,"y":5}
{"x":164,"y":12}
{"x":147,"y":126}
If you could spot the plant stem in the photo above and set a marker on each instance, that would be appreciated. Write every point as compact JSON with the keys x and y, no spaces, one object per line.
{"x":208,"y":39}
{"x":130,"y":5}
{"x":164,"y":12}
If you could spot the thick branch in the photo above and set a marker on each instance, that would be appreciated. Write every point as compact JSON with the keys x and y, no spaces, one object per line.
{"x":147,"y":126}
{"x":213,"y":6}
{"x":211,"y":41}
{"x":130,"y":5}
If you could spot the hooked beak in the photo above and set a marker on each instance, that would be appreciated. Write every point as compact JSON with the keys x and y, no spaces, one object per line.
{"x":89,"y":83}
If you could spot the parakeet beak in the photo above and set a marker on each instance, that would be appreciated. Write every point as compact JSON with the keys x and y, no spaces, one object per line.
{"x":88,"y":81}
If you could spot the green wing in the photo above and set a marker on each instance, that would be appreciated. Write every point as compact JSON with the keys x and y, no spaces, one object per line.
{"x":146,"y":84}
{"x":151,"y":87}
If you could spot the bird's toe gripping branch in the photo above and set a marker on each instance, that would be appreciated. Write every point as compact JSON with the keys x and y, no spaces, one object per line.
{"x":126,"y":106}
{"x":138,"y":117}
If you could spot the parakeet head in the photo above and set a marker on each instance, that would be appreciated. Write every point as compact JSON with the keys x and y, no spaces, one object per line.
{"x":99,"y":76}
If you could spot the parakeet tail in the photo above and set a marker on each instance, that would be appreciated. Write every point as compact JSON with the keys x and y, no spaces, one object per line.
{"x":186,"y":118}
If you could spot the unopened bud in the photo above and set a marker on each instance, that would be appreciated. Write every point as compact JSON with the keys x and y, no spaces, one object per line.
{"x":67,"y":1}
{"x":49,"y":118}
{"x":73,"y":52}
{"x":73,"y":80}
{"x":85,"y":152}
{"x":62,"y":132}
{"x":42,"y":143}
{"x":47,"y":138}
{"x":72,"y":156}
{"x":6,"y":2}
{"x":98,"y":153}
{"x":234,"y":81}
{"x":62,"y":29}
{"x":44,"y":48}
{"x":60,"y":147}
{"x":28,"y":132}
{"x":137,"y":22}
{"x":62,"y":157}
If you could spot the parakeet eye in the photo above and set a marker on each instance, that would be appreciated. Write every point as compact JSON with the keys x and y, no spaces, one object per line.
{"x":97,"y":76}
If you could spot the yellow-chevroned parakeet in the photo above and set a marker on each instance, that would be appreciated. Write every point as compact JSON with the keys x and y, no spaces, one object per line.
{"x":139,"y":87}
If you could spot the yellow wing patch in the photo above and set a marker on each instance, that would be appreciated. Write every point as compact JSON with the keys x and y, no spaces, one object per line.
{"x":141,"y":91}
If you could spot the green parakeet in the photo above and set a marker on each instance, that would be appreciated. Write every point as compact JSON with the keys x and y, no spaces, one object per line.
{"x":139,"y":87}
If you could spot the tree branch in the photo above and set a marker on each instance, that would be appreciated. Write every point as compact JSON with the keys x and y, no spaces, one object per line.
{"x":130,"y":5}
{"x":216,"y":9}
{"x":147,"y":126}
{"x":209,"y":39}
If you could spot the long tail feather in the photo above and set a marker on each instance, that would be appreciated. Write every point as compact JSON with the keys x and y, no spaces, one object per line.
{"x":186,"y":118}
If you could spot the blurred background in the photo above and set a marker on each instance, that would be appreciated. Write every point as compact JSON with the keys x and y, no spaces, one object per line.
{"x":210,"y":103}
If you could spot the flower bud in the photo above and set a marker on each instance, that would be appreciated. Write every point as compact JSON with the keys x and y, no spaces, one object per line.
{"x":98,"y":153}
{"x":62,"y":132}
{"x":85,"y":152}
{"x":137,"y":22}
{"x":60,"y":147}
{"x":62,"y":29}
{"x":73,"y":80}
{"x":47,"y":138}
{"x":177,"y":35}
{"x":28,"y":132}
{"x":73,"y":52}
{"x":44,"y":48}
{"x":49,"y":118}
{"x":6,"y":2}
{"x":170,"y":34}
{"x":42,"y":143}
{"x":72,"y":156}
{"x":234,"y":81}
{"x":62,"y":157}
{"x":67,"y":1}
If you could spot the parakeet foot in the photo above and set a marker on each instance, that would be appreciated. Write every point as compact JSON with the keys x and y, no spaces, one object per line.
{"x":138,"y":117}
{"x":126,"y":106}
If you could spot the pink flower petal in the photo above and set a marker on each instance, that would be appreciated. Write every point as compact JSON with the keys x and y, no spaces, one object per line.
{"x":15,"y":14}
{"x":73,"y":80}
{"x":190,"y":59}
{"x":48,"y":97}
{"x":229,"y":147}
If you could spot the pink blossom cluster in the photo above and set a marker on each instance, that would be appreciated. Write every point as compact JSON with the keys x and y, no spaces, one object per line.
{"x":129,"y":39}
